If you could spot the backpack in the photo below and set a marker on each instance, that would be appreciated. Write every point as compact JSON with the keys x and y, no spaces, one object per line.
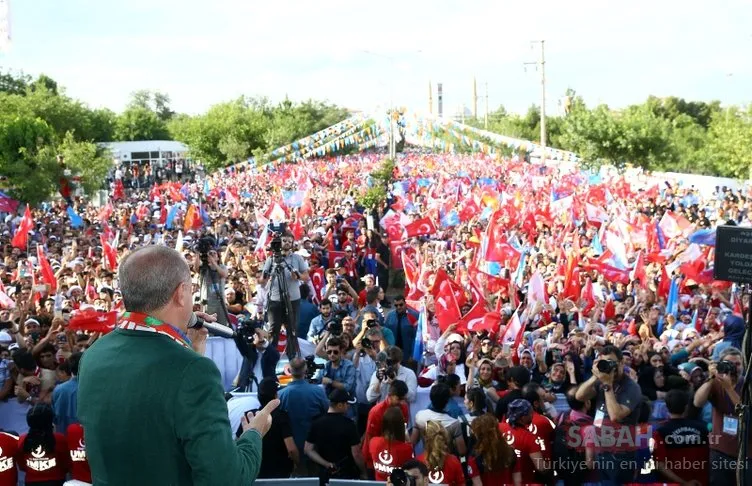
{"x":569,"y":462}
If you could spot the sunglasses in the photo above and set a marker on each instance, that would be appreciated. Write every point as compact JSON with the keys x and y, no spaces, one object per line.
{"x":485,"y":343}
{"x":332,"y":351}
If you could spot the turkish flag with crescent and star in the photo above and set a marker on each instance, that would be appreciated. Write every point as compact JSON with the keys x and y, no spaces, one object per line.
{"x":447,"y":310}
{"x":420,"y":227}
{"x":93,"y":321}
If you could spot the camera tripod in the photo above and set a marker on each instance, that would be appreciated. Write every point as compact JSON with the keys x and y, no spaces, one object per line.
{"x":277,"y":277}
{"x":202,"y":271}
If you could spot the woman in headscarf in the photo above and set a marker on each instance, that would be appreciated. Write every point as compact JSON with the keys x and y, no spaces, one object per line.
{"x":44,"y":453}
{"x":733,"y":332}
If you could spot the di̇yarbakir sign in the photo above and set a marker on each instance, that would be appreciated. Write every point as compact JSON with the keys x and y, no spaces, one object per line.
{"x":733,"y":254}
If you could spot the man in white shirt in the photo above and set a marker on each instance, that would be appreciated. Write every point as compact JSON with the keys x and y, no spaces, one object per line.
{"x":436,"y":412}
{"x":389,"y":371}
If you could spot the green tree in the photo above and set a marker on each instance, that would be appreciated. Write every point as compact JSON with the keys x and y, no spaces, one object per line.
{"x":729,"y":147}
{"x":139,"y":123}
{"x":86,"y":160}
{"x":27,"y":158}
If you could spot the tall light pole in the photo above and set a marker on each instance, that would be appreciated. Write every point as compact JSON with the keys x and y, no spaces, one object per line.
{"x":392,"y":141}
{"x":542,"y":64}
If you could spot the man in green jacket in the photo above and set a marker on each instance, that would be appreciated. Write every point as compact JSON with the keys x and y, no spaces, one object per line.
{"x":151,"y":405}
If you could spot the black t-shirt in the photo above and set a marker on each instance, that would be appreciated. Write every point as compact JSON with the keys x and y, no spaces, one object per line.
{"x":334,"y":435}
{"x":275,"y":462}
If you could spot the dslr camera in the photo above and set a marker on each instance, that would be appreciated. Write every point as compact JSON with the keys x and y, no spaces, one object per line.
{"x":726,"y":368}
{"x":312,"y":368}
{"x":334,"y":325}
{"x":386,"y":371}
{"x":204,"y":245}
{"x":607,"y":366}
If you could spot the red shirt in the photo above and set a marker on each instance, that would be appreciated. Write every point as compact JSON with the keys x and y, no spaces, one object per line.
{"x":373,"y":425}
{"x":40,"y":465}
{"x":450,"y":475}
{"x":387,"y":456}
{"x":543,"y":429}
{"x":524,"y":443}
{"x":77,"y":451}
{"x":491,"y":477}
{"x":8,"y":466}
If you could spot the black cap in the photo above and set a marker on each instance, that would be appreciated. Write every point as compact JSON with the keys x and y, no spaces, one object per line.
{"x":339,"y":396}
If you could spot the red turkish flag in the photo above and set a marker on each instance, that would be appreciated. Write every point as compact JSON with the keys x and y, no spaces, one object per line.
{"x":48,"y":276}
{"x":420,"y":227}
{"x":21,"y":236}
{"x":396,"y":248}
{"x":473,"y":320}
{"x":447,"y":310}
{"x":318,"y":280}
{"x":93,"y":321}
{"x":110,"y":253}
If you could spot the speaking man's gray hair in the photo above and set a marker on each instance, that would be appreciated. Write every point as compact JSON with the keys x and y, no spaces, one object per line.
{"x":149,"y":276}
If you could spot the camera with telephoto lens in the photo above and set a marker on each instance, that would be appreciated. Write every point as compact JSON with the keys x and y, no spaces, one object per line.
{"x":204,"y":245}
{"x":370,"y":323}
{"x":399,"y":477}
{"x":312,"y":367}
{"x":334,"y":324}
{"x":607,"y":366}
{"x":366,"y":343}
{"x":725,"y":368}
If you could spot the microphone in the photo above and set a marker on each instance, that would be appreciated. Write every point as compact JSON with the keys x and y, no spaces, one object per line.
{"x":214,"y":329}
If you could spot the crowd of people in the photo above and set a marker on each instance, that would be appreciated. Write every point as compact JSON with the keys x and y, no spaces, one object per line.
{"x":542,"y":309}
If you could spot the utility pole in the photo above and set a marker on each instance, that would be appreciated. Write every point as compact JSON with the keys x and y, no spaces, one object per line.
{"x":542,"y":64}
{"x":430,"y":98}
{"x":485,"y":121}
{"x":475,"y":98}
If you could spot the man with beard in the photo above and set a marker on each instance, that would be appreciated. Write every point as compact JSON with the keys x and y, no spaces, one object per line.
{"x":295,"y":270}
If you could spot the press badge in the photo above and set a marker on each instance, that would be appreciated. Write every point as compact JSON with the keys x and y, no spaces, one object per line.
{"x":599,"y":416}
{"x":730,"y":425}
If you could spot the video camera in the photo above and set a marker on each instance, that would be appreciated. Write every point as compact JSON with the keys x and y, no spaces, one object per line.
{"x":311,"y":368}
{"x":275,"y":246}
{"x":607,"y":365}
{"x":204,"y":245}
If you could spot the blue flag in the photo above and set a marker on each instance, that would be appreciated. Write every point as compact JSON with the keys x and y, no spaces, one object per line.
{"x":207,"y":190}
{"x":171,"y":216}
{"x":418,"y":346}
{"x":76,"y":221}
{"x":596,"y":245}
{"x":204,"y":215}
{"x":293,"y":199}
{"x":703,"y":237}
{"x":450,"y":219}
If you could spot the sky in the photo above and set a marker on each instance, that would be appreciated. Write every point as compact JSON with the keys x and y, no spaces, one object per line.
{"x":363,"y":55}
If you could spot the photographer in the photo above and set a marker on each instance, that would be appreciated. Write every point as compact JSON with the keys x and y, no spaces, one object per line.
{"x":723,"y":391}
{"x":618,"y":401}
{"x":212,"y":276}
{"x":318,"y":324}
{"x":260,"y":363}
{"x":295,"y":270}
{"x":364,"y":361}
{"x":388,"y":371}
{"x":370,"y":322}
